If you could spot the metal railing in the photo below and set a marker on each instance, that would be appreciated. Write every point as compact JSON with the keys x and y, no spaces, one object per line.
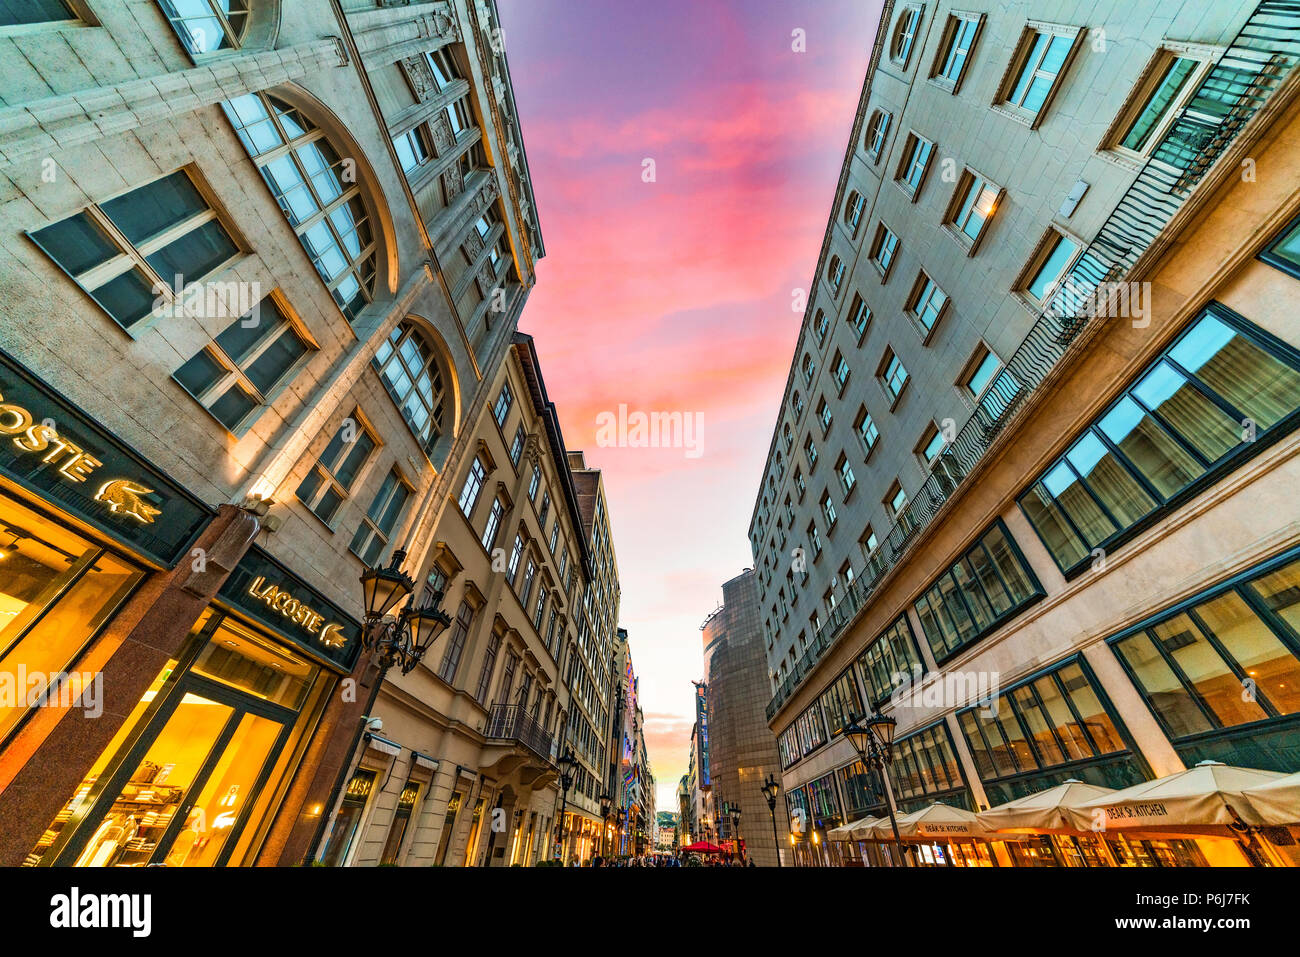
{"x":1259,"y":59}
{"x":510,"y":722}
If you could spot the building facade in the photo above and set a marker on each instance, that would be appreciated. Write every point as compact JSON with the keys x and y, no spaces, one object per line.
{"x":1062,"y":254}
{"x":279,"y":262}
{"x":742,"y":750}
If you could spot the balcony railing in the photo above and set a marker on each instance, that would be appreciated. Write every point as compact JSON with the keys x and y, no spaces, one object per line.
{"x":510,"y":722}
{"x":1259,"y":59}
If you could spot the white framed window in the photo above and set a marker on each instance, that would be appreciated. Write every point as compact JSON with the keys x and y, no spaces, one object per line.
{"x":322,"y":202}
{"x":1164,"y":87}
{"x":892,"y":376}
{"x":336,"y":471}
{"x":878,"y":134}
{"x":960,"y":33}
{"x":410,"y":370}
{"x":824,"y":415}
{"x":1037,"y":68}
{"x":841,"y":367}
{"x":380,"y":520}
{"x":895,"y":500}
{"x":413,"y":149}
{"x":859,"y":317}
{"x":986,"y":384}
{"x":244,"y":366}
{"x":835,"y":274}
{"x":974,"y":202}
{"x":914,"y":164}
{"x":473,"y":487}
{"x":144,"y":245}
{"x":844,"y":469}
{"x":535,"y":483}
{"x":1050,"y":263}
{"x":853,"y":209}
{"x":931,"y":445}
{"x":868,"y":542}
{"x":927,"y":303}
{"x":206,"y":26}
{"x":505,"y":399}
{"x":884,"y":249}
{"x":904,"y":37}
{"x":493,"y":524}
{"x":828,"y":510}
{"x":517,"y":446}
{"x":866,"y":430}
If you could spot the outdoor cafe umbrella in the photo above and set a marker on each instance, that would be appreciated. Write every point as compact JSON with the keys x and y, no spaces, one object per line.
{"x":1208,"y":795}
{"x":937,"y":822}
{"x":853,"y":831}
{"x":1277,"y":802}
{"x":1042,"y":810}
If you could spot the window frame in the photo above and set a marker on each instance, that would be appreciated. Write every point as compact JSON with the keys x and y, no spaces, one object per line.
{"x":952,"y":29}
{"x":969,"y":180}
{"x":878,"y":245}
{"x":912,"y":146}
{"x":1148,"y":82}
{"x":878,"y":133}
{"x":1019,"y":61}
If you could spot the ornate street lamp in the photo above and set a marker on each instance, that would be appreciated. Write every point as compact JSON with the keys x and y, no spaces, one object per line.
{"x":605,"y":803}
{"x":770,"y":790}
{"x":873,"y":739}
{"x":735,"y":831}
{"x":399,"y":640}
{"x":567,"y":763}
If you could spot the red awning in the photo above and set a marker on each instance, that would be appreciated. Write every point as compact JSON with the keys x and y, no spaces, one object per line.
{"x":704,"y":847}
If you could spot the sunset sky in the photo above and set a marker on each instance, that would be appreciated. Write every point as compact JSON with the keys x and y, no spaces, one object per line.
{"x":676,"y":295}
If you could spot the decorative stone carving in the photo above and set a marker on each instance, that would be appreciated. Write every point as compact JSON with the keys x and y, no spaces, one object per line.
{"x":443,"y":137}
{"x":420,"y":76}
{"x":473,"y":245}
{"x":453,"y":182}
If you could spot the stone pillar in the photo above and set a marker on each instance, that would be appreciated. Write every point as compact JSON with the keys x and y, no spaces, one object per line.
{"x":129,"y":654}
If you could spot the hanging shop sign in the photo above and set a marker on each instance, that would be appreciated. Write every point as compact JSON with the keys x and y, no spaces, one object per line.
{"x":54,"y":450}
{"x":266,"y":591}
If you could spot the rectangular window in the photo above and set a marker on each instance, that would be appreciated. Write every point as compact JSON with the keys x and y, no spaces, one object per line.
{"x":974,"y":202}
{"x":824,"y":415}
{"x":493,"y":525}
{"x":991,"y":387}
{"x":841,"y":703}
{"x":955,"y":49}
{"x":810,"y":451}
{"x":1038,"y":65}
{"x":859,"y":317}
{"x":841,"y":367}
{"x":845,"y":470}
{"x":1192,"y":666}
{"x":931,"y":444}
{"x":1284,"y":251}
{"x":990,"y":584}
{"x":151,"y":242}
{"x":828,"y":510}
{"x":914,"y":164}
{"x":878,"y":134}
{"x":1045,"y":722}
{"x":1155,"y":102}
{"x":890,"y":662}
{"x":489,"y":665}
{"x":473,"y":486}
{"x":926,"y":766}
{"x":517,"y":446}
{"x":205,"y":26}
{"x":895,"y":500}
{"x":380,"y":521}
{"x":927,"y":303}
{"x":505,"y":399}
{"x":1055,"y":255}
{"x":243,"y":366}
{"x":892,"y":376}
{"x":412,"y":148}
{"x":22,"y":13}
{"x":866,"y":429}
{"x":456,"y":642}
{"x":330,"y":481}
{"x":1184,"y":423}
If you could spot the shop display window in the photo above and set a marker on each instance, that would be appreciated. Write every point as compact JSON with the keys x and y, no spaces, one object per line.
{"x":57,"y":589}
{"x":348,"y":819}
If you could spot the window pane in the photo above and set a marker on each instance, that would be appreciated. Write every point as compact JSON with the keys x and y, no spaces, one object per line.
{"x":1044,"y":741}
{"x":1198,"y":420}
{"x":1281,"y":593}
{"x":1156,"y":455}
{"x":21,"y":12}
{"x":1053,"y":265}
{"x":1109,"y":480}
{"x":193,"y":255}
{"x":988,"y":577}
{"x":356,"y":456}
{"x":1065,"y":546}
{"x":1257,"y":651}
{"x":128,"y":298}
{"x":1078,"y":504}
{"x":200,"y":373}
{"x":233,"y":407}
{"x":76,"y":243}
{"x":1240,"y":371}
{"x":1171,"y":701}
{"x":1162,"y":98}
{"x":1218,"y":687}
{"x":1058,"y":712}
{"x":277,"y":359}
{"x":1086,"y":702}
{"x":149,"y":210}
{"x":1010,"y":565}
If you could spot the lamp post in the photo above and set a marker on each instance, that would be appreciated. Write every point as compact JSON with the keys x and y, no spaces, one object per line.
{"x":401,"y":639}
{"x":605,"y":803}
{"x":770,"y":789}
{"x":567,"y":763}
{"x":735,"y":831}
{"x":873,"y":739}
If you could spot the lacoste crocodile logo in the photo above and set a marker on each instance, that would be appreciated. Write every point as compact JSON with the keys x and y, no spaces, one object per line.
{"x":123,"y":497}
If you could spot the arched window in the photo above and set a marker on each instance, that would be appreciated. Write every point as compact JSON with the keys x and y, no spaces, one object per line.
{"x":317,"y":191}
{"x":409,"y":367}
{"x":206,"y":26}
{"x":835,"y":273}
{"x":877,"y":133}
{"x":905,"y":29}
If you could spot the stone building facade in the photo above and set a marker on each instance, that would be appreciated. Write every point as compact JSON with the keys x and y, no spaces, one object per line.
{"x":1063,"y":246}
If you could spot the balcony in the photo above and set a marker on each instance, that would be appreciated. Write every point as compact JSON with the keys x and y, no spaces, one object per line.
{"x":511,"y":724}
{"x":1260,"y":58}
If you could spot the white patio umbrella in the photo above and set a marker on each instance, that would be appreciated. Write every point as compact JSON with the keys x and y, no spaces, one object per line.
{"x":1277,"y":802}
{"x":1208,"y":795}
{"x":1042,"y":810}
{"x":860,"y":829}
{"x":842,"y":833}
{"x":937,"y":822}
